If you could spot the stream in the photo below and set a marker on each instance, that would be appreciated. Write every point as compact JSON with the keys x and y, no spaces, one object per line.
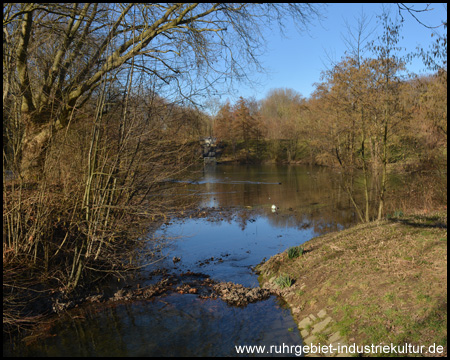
{"x":237,"y":229}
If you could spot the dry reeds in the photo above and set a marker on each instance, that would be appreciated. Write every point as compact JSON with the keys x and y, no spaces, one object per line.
{"x":103,"y":180}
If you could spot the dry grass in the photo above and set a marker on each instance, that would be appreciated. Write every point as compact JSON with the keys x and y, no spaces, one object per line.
{"x":383,"y":282}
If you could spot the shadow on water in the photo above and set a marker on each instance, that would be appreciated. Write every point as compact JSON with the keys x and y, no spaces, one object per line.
{"x":175,"y":325}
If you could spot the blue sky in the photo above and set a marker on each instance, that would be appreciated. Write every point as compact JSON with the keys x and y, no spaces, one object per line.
{"x":297,"y":61}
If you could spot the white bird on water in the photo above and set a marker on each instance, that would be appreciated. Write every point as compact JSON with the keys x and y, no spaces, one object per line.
{"x":274,"y":208}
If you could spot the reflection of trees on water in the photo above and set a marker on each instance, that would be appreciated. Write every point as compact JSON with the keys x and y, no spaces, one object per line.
{"x":306,"y":197}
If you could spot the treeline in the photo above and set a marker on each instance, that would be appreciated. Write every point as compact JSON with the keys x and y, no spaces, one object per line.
{"x":345,"y":125}
{"x":366,"y":112}
{"x":341,"y":122}
{"x":364,"y":116}
{"x":103,"y":181}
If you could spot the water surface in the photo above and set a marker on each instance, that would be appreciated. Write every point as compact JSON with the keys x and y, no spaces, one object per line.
{"x":237,"y":230}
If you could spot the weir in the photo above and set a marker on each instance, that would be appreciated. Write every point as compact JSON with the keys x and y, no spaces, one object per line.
{"x":209,"y":150}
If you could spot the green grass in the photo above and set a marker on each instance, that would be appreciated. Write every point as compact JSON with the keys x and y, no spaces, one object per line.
{"x":295,"y":252}
{"x":284,"y":281}
{"x":321,"y":338}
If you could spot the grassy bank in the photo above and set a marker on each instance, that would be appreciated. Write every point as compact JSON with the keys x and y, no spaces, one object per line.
{"x":381,"y":282}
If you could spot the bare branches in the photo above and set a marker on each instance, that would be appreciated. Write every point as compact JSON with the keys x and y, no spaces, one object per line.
{"x":413,"y":12}
{"x":181,"y":31}
{"x":64,"y":51}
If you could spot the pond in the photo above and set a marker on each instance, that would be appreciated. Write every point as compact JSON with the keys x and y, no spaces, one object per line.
{"x":237,"y":228}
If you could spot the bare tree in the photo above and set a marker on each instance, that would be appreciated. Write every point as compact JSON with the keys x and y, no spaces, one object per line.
{"x":63,"y":52}
{"x":387,"y":66}
{"x":356,"y":42}
{"x":89,"y":133}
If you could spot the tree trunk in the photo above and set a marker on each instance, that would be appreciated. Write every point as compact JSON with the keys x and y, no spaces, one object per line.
{"x":384,"y":175}
{"x":34,"y":145}
{"x":365,"y":170}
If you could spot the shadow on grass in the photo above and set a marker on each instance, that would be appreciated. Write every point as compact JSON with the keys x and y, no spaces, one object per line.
{"x":423,"y":221}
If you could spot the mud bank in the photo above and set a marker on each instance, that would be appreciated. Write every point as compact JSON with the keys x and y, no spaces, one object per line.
{"x":184,"y":283}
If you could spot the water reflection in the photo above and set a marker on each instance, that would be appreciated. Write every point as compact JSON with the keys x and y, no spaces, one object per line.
{"x":305,"y":196}
{"x":227,"y":250}
{"x":176,"y":325}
